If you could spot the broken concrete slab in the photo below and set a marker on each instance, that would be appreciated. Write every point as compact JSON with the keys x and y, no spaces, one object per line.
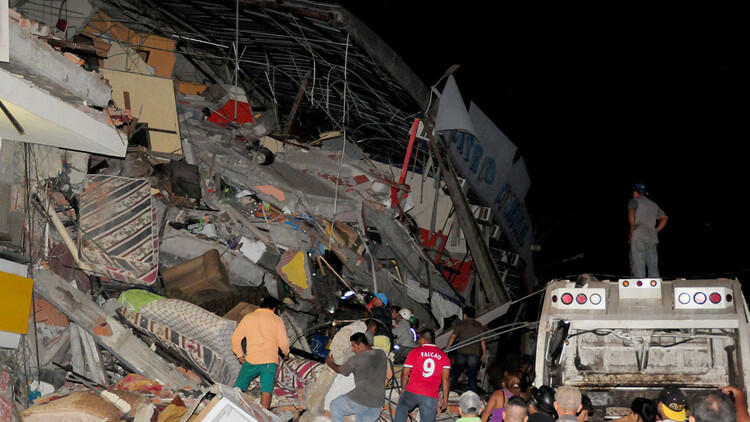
{"x":120,"y":342}
{"x":47,"y":68}
{"x":49,"y":120}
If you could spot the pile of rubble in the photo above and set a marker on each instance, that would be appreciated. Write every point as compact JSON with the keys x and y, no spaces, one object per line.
{"x":143,"y":214}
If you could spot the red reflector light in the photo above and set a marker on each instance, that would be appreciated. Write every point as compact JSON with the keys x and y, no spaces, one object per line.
{"x":714,"y":298}
{"x":639,"y":283}
{"x":566,"y":298}
{"x":554,"y":298}
{"x":729,"y":298}
{"x":625,"y":283}
{"x":653,"y":283}
{"x":581,"y":298}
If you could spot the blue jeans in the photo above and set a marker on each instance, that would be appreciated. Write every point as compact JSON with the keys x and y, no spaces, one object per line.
{"x":408,"y":401}
{"x":343,"y":406}
{"x":463,"y":361}
{"x":643,"y":255}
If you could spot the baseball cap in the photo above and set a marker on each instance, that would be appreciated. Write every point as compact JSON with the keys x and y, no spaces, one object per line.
{"x":673,"y":401}
{"x":640,"y":188}
{"x":383,"y":297}
{"x":470,"y":403}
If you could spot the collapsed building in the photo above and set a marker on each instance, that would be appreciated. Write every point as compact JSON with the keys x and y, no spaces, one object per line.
{"x":164,"y":166}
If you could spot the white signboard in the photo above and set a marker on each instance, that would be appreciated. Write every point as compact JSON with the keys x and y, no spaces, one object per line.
{"x":483,"y":156}
{"x":4,"y":32}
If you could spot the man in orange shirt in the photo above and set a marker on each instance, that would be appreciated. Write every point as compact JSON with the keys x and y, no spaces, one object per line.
{"x":265,"y":334}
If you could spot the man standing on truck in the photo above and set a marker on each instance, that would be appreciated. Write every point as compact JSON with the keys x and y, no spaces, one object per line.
{"x":643,"y":215}
{"x":471,"y":356}
{"x":265,"y":334}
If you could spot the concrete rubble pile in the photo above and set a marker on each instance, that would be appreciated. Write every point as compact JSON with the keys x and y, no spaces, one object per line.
{"x":133,"y":249}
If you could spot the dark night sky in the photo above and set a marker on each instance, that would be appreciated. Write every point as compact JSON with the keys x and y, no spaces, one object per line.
{"x":597,"y":100}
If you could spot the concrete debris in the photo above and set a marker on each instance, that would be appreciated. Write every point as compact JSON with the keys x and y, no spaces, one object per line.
{"x":154,"y":205}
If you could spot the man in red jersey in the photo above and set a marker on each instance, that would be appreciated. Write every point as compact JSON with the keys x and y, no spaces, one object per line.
{"x":425,"y":368}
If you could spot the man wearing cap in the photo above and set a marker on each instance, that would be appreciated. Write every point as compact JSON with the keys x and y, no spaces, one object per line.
{"x":643,"y":215}
{"x":469,"y":407}
{"x":425,"y":369}
{"x":381,"y":312}
{"x":404,"y":335}
{"x":567,"y":403}
{"x":470,"y":356}
{"x":671,"y":405}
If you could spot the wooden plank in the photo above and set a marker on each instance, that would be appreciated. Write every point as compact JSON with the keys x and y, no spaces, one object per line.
{"x":125,"y":346}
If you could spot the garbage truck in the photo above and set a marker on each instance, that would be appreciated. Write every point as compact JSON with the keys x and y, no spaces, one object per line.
{"x":620,"y":339}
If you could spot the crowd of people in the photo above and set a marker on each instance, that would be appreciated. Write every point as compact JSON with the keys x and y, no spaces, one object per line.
{"x":428,"y":374}
{"x":568,"y":404}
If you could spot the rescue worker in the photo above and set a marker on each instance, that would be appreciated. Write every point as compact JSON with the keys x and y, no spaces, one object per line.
{"x":567,"y":403}
{"x":712,"y":406}
{"x":425,"y":369}
{"x":403,"y":334}
{"x":542,"y":404}
{"x":643,"y":214}
{"x":265,"y":334}
{"x":366,"y":400}
{"x":471,"y":356}
{"x":380,"y":342}
{"x":381,"y":312}
{"x":671,"y":405}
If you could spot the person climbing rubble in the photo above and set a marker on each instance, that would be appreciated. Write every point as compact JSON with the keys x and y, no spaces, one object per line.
{"x":472,"y":355}
{"x":404,"y":335}
{"x":367,"y":398}
{"x":381,"y":313}
{"x":265,"y":334}
{"x":425,"y":369}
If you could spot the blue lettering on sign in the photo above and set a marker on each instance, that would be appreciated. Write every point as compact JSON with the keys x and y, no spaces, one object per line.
{"x":468,"y":145}
{"x":488,"y":171}
{"x":510,"y":207}
{"x":506,"y":205}
{"x":471,"y":150}
{"x":475,"y":157}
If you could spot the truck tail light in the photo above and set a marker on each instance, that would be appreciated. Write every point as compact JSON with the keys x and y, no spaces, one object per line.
{"x":581,"y":298}
{"x":714,"y":298}
{"x":566,"y":298}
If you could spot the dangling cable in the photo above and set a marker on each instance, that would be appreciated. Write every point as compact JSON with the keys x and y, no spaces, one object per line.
{"x":343,"y":146}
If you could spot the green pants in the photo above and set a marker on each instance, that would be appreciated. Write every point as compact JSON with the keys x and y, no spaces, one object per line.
{"x":248,"y":372}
